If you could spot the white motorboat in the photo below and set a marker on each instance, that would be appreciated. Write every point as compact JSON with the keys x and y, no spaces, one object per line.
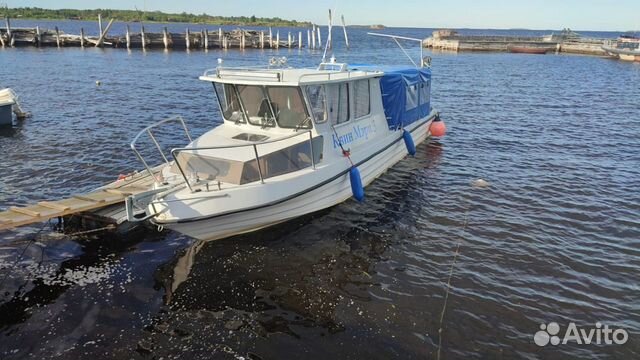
{"x":292,"y":142}
{"x":626,"y":47}
{"x":7,"y":101}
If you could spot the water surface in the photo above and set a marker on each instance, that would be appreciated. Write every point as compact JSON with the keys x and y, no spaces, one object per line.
{"x":555,"y":237}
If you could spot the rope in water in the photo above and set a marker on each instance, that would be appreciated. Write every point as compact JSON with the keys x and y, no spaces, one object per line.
{"x":446,"y":296}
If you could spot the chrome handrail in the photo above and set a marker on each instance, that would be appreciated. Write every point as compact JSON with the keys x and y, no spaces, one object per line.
{"x":148,"y":131}
{"x":175,"y":152}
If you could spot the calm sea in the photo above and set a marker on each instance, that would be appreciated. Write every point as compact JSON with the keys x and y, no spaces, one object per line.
{"x":554,"y":238}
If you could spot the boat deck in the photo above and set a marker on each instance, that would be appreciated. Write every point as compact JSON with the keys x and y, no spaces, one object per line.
{"x":108,"y":195}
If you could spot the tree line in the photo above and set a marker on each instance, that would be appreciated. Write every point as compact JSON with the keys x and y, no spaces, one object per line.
{"x":148,"y":16}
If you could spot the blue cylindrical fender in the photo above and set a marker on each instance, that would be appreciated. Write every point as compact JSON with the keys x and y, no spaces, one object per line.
{"x":356,"y":184}
{"x":408,"y":141}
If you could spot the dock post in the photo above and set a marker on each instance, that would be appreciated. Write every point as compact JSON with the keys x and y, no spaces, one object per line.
{"x":142,"y":37}
{"x":165,"y":38}
{"x":82,"y":37}
{"x":308,"y":39}
{"x":262,"y":39}
{"x":242,"y":39}
{"x":278,"y":39}
{"x":313,"y":37}
{"x":300,"y":40}
{"x":128,"y":37}
{"x":1,"y":40}
{"x":220,"y":38}
{"x":289,"y":39}
{"x":344,"y":27}
{"x":100,"y":23}
{"x":205,"y":35}
{"x":270,"y":37}
{"x":319,"y":38}
{"x":10,"y":39}
{"x":187,"y":41}
{"x":57,"y":37}
{"x":104,"y":33}
{"x":329,"y":30}
{"x":38,"y":36}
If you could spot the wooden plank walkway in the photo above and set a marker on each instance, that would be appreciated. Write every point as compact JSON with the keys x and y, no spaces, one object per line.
{"x":113,"y":193}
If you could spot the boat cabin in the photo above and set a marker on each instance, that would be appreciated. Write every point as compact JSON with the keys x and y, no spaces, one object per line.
{"x":278,"y":121}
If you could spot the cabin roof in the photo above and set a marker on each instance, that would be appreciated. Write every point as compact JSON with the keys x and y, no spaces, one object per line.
{"x":284,"y":77}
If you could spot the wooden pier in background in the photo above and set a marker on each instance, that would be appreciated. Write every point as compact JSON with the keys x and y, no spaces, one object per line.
{"x":140,"y":39}
{"x":564,"y":42}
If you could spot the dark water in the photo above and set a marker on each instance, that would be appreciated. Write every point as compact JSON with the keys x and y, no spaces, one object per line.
{"x":555,"y":237}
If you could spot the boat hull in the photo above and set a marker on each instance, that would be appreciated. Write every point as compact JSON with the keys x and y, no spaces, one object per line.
{"x":330,"y":193}
{"x":625,"y":55}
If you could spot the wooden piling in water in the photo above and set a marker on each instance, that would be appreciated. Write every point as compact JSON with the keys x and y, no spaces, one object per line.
{"x":142,"y":37}
{"x":220,"y":37}
{"x":278,"y":39}
{"x":10,"y":39}
{"x":187,"y":41}
{"x":270,"y":38}
{"x":261,"y":39}
{"x":128,"y":37}
{"x":205,"y":34}
{"x":319,"y":38}
{"x":104,"y":33}
{"x":57,"y":37}
{"x":329,"y":38}
{"x":344,"y":27}
{"x":82,"y":37}
{"x":99,"y":23}
{"x":313,"y":37}
{"x":38,"y":36}
{"x":165,"y":38}
{"x":289,"y":40}
{"x":242,"y":39}
{"x":300,"y":40}
{"x":308,"y":39}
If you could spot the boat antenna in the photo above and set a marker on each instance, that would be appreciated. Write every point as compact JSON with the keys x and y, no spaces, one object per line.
{"x":423,"y":62}
{"x":326,"y":46}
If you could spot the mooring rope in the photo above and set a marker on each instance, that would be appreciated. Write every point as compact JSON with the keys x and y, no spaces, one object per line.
{"x":453,"y":264}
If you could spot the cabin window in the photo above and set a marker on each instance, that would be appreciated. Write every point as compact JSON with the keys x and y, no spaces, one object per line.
{"x":229,"y":102}
{"x":289,"y":107}
{"x":412,"y":97}
{"x":425,"y":92}
{"x":257,"y":106}
{"x":338,"y":103}
{"x":318,"y":102}
{"x":361,"y":98}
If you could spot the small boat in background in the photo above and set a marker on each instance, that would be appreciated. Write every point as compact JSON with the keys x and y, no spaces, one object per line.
{"x":529,"y":49}
{"x":626,"y":47}
{"x":7,"y":100}
{"x":9,"y":103}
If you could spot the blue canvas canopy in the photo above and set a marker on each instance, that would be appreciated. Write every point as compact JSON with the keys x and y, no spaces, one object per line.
{"x":406,"y":95}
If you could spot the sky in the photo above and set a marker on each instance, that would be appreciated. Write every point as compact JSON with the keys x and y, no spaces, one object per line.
{"x":597,"y":15}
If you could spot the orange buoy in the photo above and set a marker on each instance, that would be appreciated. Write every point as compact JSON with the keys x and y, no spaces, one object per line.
{"x":438,"y":128}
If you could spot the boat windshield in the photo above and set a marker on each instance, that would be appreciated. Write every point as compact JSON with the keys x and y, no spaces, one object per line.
{"x":265,"y":106}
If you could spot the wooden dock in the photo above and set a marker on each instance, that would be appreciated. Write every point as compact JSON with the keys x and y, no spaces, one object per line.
{"x":109,"y":195}
{"x":140,"y":39}
{"x":565,"y":42}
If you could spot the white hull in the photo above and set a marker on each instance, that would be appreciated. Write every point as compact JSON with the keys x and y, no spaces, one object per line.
{"x":323,"y":197}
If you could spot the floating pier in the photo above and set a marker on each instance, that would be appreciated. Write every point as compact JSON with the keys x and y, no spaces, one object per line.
{"x":565,"y":42}
{"x":104,"y":205}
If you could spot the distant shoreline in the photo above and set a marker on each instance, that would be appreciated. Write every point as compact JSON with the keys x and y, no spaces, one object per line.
{"x":32,"y":13}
